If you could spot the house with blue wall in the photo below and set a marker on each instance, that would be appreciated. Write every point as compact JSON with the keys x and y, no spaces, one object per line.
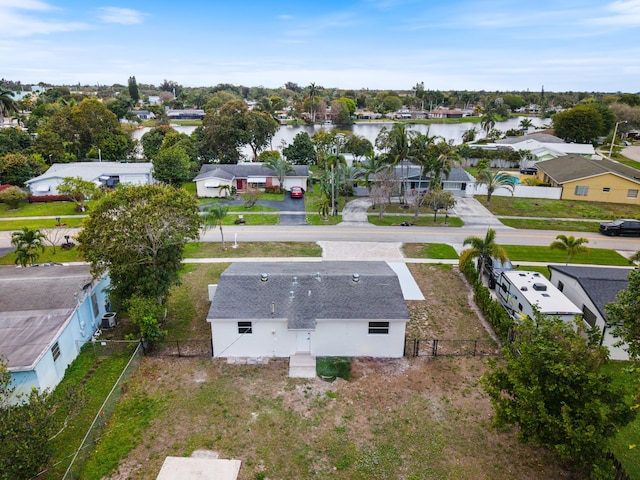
{"x":47,"y":313}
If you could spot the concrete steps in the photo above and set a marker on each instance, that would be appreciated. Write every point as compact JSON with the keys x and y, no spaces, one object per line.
{"x":302,"y":365}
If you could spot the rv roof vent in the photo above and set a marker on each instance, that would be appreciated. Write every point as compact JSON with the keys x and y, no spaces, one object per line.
{"x":539,"y":287}
{"x":524,"y":289}
{"x":264,"y":277}
{"x":355,"y":277}
{"x":546,"y":295}
{"x":522,"y":274}
{"x":295,"y":280}
{"x":536,"y":274}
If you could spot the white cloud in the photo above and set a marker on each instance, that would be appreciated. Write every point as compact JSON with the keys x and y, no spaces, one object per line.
{"x":286,"y":17}
{"x":123,"y":16}
{"x":24,"y":5}
{"x":623,"y":13}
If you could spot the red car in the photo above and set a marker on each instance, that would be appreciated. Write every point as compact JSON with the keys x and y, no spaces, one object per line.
{"x":296,"y":192}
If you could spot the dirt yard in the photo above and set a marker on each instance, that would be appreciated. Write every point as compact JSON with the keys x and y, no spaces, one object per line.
{"x":419,"y":418}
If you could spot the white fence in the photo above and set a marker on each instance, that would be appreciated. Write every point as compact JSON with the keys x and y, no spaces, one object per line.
{"x":522,"y":191}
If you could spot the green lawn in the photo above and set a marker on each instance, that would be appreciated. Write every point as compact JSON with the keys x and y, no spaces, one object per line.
{"x":39,"y":223}
{"x":537,"y":207}
{"x":49,"y":256}
{"x":429,"y":250}
{"x":562,"y":225}
{"x":423,"y":221}
{"x":252,"y":249}
{"x":596,"y":256}
{"x":49,"y":209}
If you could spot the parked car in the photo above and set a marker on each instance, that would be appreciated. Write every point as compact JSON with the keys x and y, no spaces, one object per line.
{"x":494,"y":267}
{"x":296,"y":192}
{"x":529,"y":170}
{"x":621,"y":227}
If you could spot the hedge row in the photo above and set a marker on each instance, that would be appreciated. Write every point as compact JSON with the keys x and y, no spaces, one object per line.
{"x":48,"y":198}
{"x":491,"y":309}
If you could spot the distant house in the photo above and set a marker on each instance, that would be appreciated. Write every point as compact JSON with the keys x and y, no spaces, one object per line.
{"x":46,"y":314}
{"x":108,"y":174}
{"x":545,"y":147}
{"x":591,"y":180}
{"x":458,"y":182}
{"x":186,"y":114}
{"x":144,"y":114}
{"x":591,"y":288}
{"x":212,"y":178}
{"x":443,"y":113}
{"x":324,"y":309}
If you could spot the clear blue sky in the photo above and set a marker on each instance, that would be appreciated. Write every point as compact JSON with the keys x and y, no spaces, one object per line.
{"x":565,"y":45}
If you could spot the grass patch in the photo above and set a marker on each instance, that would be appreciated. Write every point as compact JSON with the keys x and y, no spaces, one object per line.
{"x":540,"y":207}
{"x":422,"y":221}
{"x":562,"y":225}
{"x":330,"y":368}
{"x":596,"y":256}
{"x":86,"y":383}
{"x":39,"y":223}
{"x":252,"y":249}
{"x":48,"y":209}
{"x":544,"y":271}
{"x":621,"y":445}
{"x":60,"y":256}
{"x":316,"y":219}
{"x":429,"y":250}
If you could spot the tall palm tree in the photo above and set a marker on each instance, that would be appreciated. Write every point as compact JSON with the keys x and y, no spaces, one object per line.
{"x":8,"y":104}
{"x":488,"y":121}
{"x":495,"y":181}
{"x":396,"y":144}
{"x":469,"y":135}
{"x":373,"y":164}
{"x":483,"y":249}
{"x":215,"y":215}
{"x":313,"y":91}
{"x":570,"y":244}
{"x":27,"y":243}
{"x":280,"y":167}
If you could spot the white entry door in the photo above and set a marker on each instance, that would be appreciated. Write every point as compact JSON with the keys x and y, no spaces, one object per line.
{"x":303,"y":342}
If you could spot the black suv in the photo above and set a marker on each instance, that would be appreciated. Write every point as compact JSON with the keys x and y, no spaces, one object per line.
{"x":529,"y":170}
{"x":494,"y":267}
{"x":621,"y":227}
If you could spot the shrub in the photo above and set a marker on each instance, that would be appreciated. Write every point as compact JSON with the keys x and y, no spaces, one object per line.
{"x":47,"y":198}
{"x":12,"y":196}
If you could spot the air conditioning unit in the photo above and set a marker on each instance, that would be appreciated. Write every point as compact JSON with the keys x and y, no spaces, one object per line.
{"x":108,"y":320}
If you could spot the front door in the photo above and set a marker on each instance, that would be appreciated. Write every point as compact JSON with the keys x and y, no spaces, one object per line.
{"x":303,"y":342}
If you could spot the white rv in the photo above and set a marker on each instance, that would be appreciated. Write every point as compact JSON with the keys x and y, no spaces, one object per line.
{"x":519,"y":291}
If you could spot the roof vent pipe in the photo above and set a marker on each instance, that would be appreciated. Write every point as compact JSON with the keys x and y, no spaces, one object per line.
{"x":264,"y":277}
{"x":355,"y":277}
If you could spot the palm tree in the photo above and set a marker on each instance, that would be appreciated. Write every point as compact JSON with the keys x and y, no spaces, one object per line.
{"x":469,"y":135}
{"x":27,"y":243}
{"x":280,"y":167}
{"x":313,"y":91}
{"x":215,"y":214}
{"x":8,"y":104}
{"x":396,"y":143}
{"x":571,"y":245}
{"x":483,"y":249}
{"x":525,"y":124}
{"x":495,"y":181}
{"x":372,"y":165}
{"x":488,"y":121}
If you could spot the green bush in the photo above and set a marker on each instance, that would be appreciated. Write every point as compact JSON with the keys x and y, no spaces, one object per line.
{"x":329,"y":368}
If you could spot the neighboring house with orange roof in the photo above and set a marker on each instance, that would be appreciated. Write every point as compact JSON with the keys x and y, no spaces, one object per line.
{"x":591,"y":180}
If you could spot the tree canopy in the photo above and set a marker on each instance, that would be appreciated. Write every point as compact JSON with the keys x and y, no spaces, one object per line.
{"x":137,"y":234}
{"x":582,"y":124}
{"x":625,"y":314}
{"x":553,"y":387}
{"x":301,"y":151}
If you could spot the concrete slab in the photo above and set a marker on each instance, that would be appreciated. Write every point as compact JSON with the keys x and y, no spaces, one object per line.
{"x":302,"y":365}
{"x":181,"y":468}
{"x":408,"y":284}
{"x":369,"y":251}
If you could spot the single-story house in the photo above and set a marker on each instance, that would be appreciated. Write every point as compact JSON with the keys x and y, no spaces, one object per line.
{"x":545,"y":147}
{"x":352,"y":309}
{"x":213,"y":177}
{"x":591,"y":180}
{"x":46,"y":314}
{"x":459,"y":182}
{"x":444,"y":113}
{"x":108,"y":174}
{"x":186,"y":114}
{"x":591,"y":288}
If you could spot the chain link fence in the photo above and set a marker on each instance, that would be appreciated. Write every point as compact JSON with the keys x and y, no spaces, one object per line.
{"x":419,"y":347}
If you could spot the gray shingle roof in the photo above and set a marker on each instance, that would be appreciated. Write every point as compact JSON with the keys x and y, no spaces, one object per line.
{"x":541,"y":137}
{"x":574,"y":167}
{"x":601,"y":284}
{"x":35,"y":303}
{"x":304,"y":292}
{"x":244,"y":170}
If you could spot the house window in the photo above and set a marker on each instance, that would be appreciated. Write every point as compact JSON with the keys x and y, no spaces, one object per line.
{"x":606,"y":189}
{"x":588,"y":316}
{"x":560,"y":286}
{"x":581,"y":191}
{"x":55,"y":351}
{"x":245,"y":328}
{"x":632,"y":193}
{"x":94,"y":305}
{"x":379,"y":328}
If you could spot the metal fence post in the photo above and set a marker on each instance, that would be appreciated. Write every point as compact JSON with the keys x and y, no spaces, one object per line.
{"x":435,"y":348}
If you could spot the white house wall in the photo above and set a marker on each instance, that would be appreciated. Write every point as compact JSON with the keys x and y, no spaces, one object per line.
{"x":293,"y":182}
{"x":135,"y":179}
{"x":574,"y":292}
{"x":272,"y":338}
{"x":522,"y":191}
{"x":210,"y":192}
{"x":352,"y":339}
